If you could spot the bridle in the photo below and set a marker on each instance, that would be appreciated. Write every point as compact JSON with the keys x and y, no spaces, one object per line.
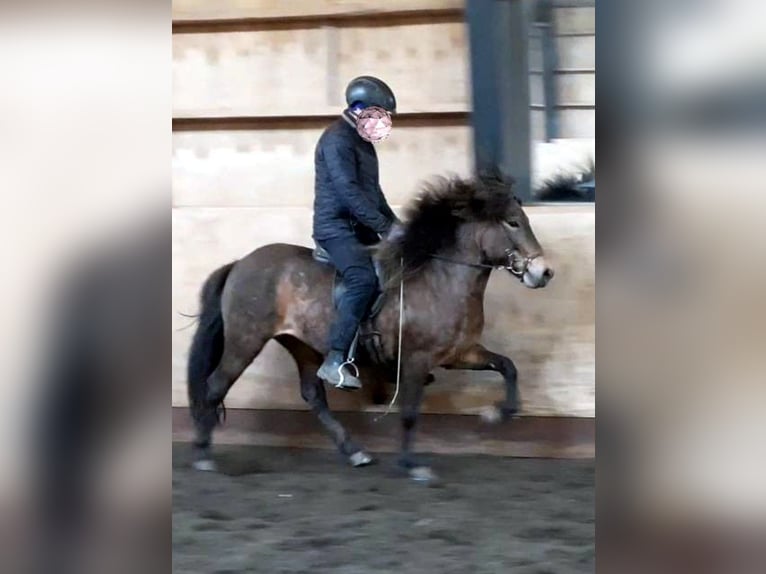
{"x":513,"y":258}
{"x":515,"y":263}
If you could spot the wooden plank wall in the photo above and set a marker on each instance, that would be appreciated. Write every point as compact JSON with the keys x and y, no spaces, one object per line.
{"x":196,"y":10}
{"x":254,"y":84}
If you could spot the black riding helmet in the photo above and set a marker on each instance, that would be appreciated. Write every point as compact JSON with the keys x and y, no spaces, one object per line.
{"x":370,"y":91}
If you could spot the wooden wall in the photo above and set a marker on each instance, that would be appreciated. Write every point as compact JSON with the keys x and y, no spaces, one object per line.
{"x":255,"y":82}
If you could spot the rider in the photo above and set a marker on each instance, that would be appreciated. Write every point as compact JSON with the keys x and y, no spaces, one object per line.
{"x":350,"y":211}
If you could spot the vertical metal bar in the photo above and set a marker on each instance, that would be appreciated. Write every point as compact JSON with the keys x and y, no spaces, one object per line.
{"x":513,"y":82}
{"x":498,"y":36}
{"x":486,"y":111}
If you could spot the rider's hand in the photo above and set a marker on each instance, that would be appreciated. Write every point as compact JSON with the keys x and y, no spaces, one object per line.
{"x":395,"y":231}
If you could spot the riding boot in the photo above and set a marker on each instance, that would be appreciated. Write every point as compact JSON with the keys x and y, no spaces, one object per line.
{"x":335,"y":372}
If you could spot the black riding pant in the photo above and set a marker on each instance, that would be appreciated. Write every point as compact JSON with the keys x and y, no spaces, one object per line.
{"x":354,"y":263}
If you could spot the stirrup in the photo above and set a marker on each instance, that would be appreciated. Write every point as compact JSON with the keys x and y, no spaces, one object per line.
{"x":348,"y":362}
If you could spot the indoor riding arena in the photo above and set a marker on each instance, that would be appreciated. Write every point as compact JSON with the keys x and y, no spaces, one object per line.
{"x":477,"y":82}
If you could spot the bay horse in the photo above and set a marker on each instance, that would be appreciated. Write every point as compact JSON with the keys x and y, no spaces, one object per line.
{"x":455,"y":232}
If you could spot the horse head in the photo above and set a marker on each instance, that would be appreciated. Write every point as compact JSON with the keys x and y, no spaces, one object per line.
{"x":476,"y":221}
{"x":504,"y":234}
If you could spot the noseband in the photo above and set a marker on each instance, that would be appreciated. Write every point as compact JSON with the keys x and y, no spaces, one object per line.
{"x":517,"y":265}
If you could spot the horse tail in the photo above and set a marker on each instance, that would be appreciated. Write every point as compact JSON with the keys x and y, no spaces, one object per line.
{"x":207,"y":344}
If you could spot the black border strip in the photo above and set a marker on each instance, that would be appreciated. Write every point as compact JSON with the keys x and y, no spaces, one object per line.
{"x":359,"y":19}
{"x":425,"y":119}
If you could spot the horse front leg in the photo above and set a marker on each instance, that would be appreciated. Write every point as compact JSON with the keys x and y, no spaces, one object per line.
{"x":477,"y":358}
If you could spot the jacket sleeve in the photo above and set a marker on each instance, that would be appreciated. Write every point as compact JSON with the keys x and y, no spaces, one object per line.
{"x":342,"y":167}
{"x":386,"y":209}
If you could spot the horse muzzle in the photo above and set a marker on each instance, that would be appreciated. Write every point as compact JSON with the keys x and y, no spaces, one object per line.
{"x":536,"y":273}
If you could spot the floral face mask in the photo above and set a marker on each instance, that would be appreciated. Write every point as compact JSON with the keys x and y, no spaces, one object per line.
{"x":373,"y":124}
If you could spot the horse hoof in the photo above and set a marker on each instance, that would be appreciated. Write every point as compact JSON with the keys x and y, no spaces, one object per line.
{"x":360,"y":458}
{"x":423,"y":474}
{"x":491,"y":415}
{"x":205,"y":465}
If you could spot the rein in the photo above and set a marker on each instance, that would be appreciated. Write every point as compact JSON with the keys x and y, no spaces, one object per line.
{"x":466,"y":263}
{"x":510,"y":266}
{"x":513,"y":259}
{"x":399,"y":353}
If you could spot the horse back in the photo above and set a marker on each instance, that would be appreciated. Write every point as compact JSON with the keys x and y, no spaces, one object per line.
{"x":281,"y":286}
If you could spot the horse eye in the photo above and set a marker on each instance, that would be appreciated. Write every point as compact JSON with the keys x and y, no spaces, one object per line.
{"x":514,"y":224}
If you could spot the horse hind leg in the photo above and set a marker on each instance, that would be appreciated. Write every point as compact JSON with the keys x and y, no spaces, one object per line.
{"x":313,"y":392}
{"x":205,"y":419}
{"x":233,"y":363}
{"x":234,"y":360}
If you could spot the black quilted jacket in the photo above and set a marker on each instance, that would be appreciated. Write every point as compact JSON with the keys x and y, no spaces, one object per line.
{"x":348,"y":201}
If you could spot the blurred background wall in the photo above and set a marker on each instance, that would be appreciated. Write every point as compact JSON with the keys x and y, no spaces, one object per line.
{"x":254,"y":84}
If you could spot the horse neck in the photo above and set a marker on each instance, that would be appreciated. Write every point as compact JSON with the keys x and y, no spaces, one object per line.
{"x":453,"y":280}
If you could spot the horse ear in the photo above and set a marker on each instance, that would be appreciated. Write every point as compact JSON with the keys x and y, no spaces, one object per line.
{"x":508,"y":179}
{"x":493,"y":174}
{"x":462,"y":211}
{"x":489,"y":173}
{"x":462,"y":207}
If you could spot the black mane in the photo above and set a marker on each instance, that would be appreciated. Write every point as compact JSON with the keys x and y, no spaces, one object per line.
{"x":432,"y":220}
{"x":577,"y":186}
